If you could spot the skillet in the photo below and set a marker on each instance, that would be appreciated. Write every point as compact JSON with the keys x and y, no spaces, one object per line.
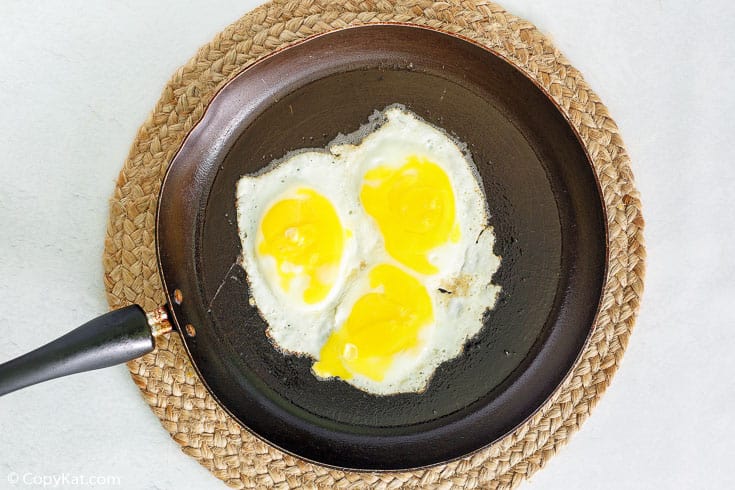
{"x":545,"y":206}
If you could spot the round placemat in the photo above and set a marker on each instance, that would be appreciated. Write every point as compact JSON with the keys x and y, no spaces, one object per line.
{"x":166,"y":378}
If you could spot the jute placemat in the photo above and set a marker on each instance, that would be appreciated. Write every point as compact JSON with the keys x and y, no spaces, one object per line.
{"x":166,"y":378}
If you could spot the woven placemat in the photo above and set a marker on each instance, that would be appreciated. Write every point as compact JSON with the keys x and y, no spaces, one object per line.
{"x":166,"y":378}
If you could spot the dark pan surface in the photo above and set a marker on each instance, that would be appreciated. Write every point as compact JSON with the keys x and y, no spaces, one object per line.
{"x":546,"y":210}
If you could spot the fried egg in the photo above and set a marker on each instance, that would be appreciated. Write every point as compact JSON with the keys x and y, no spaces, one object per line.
{"x":298,"y":246}
{"x":373,"y":256}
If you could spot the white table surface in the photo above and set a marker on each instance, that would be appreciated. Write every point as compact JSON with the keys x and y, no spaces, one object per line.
{"x":77,"y":78}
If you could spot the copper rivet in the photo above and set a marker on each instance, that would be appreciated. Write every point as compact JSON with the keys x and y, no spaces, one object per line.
{"x":178,"y":296}
{"x":190,"y":330}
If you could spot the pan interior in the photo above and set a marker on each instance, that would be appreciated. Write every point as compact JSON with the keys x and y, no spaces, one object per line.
{"x":546,"y":212}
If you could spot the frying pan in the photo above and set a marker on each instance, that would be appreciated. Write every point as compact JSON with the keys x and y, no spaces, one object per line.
{"x":545,"y":206}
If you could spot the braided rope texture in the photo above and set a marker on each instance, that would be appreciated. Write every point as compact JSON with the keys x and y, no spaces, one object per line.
{"x":166,"y":378}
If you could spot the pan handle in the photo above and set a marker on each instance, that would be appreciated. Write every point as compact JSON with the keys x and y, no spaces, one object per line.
{"x":113,"y":338}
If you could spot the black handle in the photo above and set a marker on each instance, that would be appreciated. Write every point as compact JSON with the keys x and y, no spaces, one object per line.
{"x":113,"y":338}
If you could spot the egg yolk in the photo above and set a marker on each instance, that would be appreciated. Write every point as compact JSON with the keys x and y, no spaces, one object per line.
{"x":413,"y":205}
{"x":381,"y":324}
{"x":305,"y":237}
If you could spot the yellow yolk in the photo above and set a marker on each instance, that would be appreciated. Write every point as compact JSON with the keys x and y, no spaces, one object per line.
{"x":305,"y":237}
{"x":413,"y":206}
{"x":381,"y":325}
